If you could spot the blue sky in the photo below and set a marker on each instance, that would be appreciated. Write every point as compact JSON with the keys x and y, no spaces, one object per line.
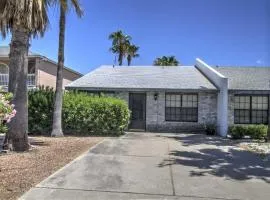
{"x":221,"y":32}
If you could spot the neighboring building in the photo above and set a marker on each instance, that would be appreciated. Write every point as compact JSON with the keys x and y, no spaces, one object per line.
{"x":41,"y":70}
{"x":184,"y":98}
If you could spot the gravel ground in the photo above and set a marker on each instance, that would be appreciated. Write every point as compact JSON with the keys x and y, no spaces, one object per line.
{"x":21,"y":171}
{"x":261,"y":148}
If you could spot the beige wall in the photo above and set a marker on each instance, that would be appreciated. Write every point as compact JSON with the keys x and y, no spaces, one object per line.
{"x":4,"y":61}
{"x":46,"y":74}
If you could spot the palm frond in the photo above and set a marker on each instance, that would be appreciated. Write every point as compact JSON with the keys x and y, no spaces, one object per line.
{"x":29,"y":15}
{"x":77,"y":7}
{"x":166,"y":61}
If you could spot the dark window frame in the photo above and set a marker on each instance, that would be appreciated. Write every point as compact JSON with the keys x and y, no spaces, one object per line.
{"x":184,"y":114}
{"x":251,"y":110}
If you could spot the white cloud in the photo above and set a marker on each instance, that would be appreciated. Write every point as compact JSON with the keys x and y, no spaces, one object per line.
{"x":259,"y":61}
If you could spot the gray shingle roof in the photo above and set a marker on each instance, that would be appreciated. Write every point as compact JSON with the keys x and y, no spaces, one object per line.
{"x":143,"y":77}
{"x":247,"y":78}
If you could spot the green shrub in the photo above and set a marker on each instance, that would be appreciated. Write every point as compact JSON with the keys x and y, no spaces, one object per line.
{"x":82,"y":113}
{"x":257,"y":131}
{"x":210,"y":129}
{"x":237,"y":132}
{"x":40,"y":110}
{"x":254,"y":131}
{"x":93,"y":115}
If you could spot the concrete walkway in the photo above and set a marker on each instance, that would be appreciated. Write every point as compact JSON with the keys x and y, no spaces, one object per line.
{"x":160,"y":166}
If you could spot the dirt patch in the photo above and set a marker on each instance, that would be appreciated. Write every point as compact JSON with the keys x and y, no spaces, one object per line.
{"x":21,"y":171}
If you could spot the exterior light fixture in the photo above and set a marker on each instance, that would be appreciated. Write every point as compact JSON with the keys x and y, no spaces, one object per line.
{"x":156,"y":96}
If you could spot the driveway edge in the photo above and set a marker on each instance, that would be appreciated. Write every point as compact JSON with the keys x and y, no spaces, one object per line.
{"x":62,"y":168}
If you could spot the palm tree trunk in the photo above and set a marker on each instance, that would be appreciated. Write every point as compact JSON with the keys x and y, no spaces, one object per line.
{"x":120,"y":59}
{"x":18,"y":68}
{"x":268,"y":133}
{"x":58,"y":101}
{"x":129,"y":60}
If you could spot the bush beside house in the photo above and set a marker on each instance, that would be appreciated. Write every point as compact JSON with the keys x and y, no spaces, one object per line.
{"x":83,"y":114}
{"x":253,"y":131}
{"x":94,"y":115}
{"x":40,"y":110}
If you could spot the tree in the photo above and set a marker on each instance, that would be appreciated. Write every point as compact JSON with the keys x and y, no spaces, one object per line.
{"x":132,"y":53}
{"x":166,"y":61}
{"x":120,"y":43}
{"x":23,"y":19}
{"x":268,"y":131}
{"x":58,"y":101}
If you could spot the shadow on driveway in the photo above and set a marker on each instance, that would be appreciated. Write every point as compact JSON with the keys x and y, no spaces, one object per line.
{"x":219,"y":160}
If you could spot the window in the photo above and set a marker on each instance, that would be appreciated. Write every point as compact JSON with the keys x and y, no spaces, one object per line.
{"x":3,"y":68}
{"x":251,"y":110}
{"x":3,"y":74}
{"x":181,"y":107}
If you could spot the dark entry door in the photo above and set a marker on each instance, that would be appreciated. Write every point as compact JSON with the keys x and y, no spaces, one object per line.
{"x":137,"y":103}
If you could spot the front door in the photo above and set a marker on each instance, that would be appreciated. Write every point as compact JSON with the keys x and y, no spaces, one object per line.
{"x":137,"y":103}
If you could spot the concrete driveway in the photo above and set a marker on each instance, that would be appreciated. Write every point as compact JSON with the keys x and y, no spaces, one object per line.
{"x":160,"y":166}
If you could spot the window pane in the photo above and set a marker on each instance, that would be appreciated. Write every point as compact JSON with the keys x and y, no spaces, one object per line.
{"x":265,"y":100}
{"x":178,"y":104}
{"x":259,"y":117}
{"x":259,"y":103}
{"x":256,"y":114}
{"x":189,"y":101}
{"x":189,"y":114}
{"x":172,"y":104}
{"x":186,"y":110}
{"x":241,"y":116}
{"x":184,"y":97}
{"x":242,"y":102}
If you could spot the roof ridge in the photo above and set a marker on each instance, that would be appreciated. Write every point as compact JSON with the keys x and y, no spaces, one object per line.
{"x":241,"y":66}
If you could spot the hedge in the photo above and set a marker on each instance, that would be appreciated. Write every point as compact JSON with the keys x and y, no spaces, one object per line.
{"x":83,"y":114}
{"x":40,"y":110}
{"x":254,"y":131}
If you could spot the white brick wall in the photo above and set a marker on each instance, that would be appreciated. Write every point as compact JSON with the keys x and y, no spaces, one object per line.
{"x":155,"y":112}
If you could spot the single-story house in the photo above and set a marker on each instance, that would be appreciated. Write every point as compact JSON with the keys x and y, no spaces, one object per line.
{"x":185,"y":98}
{"x":41,"y":70}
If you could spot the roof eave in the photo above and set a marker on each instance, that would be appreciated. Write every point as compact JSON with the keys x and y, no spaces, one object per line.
{"x":139,"y":89}
{"x":49,"y":60}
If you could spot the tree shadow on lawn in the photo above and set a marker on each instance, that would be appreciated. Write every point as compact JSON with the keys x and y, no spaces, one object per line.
{"x":232,"y":163}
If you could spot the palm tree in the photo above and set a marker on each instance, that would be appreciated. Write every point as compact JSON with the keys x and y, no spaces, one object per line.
{"x":120,"y":43}
{"x":58,"y":101}
{"x":166,"y":61}
{"x":23,"y":19}
{"x":132,"y":53}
